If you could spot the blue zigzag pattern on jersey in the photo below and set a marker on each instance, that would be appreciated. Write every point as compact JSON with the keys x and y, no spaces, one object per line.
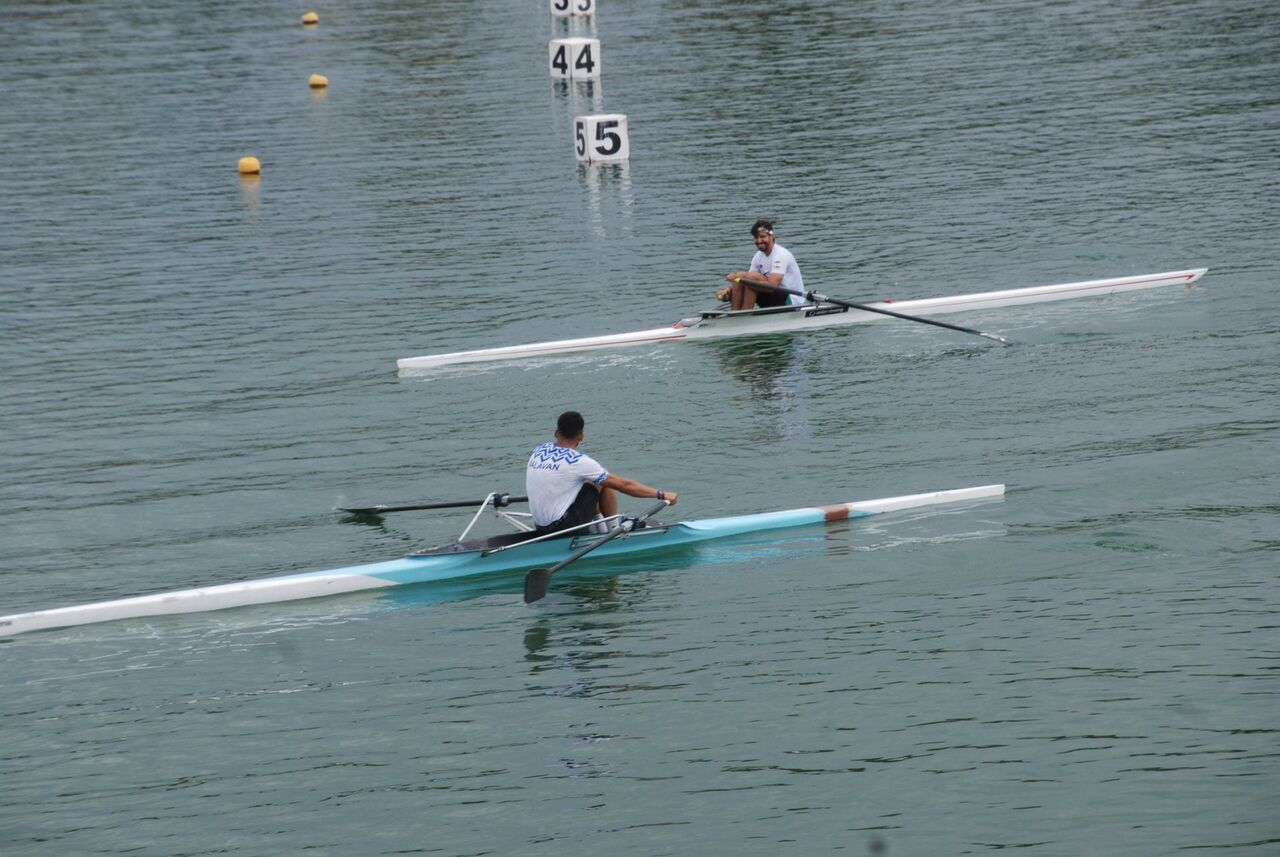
{"x":549,"y":452}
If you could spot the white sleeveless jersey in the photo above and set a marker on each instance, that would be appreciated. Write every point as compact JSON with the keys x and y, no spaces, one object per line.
{"x":780,"y":261}
{"x":554,"y":477}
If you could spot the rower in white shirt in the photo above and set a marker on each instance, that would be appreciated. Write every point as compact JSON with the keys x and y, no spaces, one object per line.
{"x":568,"y":488}
{"x":772,"y":264}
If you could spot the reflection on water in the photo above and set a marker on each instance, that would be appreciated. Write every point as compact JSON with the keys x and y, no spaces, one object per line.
{"x":536,"y":638}
{"x":609,"y":196}
{"x":574,"y":25}
{"x":582,"y":95}
{"x":591,"y":597}
{"x":609,"y":584}
{"x":250,"y":199}
{"x":772,"y":370}
{"x":765,"y":364}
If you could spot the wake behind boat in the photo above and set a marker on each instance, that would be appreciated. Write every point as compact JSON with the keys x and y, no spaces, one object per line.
{"x":515,"y":551}
{"x":717,"y":323}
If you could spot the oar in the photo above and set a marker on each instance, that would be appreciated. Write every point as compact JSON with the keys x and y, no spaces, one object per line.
{"x":537,"y":580}
{"x":817,"y":298}
{"x":499,"y":500}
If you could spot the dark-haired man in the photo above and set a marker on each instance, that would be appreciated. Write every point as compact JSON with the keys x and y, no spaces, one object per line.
{"x":772,"y":264}
{"x":568,"y":488}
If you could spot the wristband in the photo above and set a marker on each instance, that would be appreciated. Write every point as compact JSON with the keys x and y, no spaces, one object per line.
{"x":659,"y":495}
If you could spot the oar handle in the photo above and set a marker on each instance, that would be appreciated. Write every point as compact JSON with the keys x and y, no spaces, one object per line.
{"x":499,"y":500}
{"x":538,"y":579}
{"x":818,"y":298}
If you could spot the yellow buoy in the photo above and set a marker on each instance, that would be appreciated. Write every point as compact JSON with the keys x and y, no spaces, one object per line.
{"x":318,"y":81}
{"x":249,"y":166}
{"x":310,"y":18}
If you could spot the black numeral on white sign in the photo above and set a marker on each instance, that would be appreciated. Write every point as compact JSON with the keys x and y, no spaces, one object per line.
{"x":576,"y":59}
{"x":601,"y":137}
{"x":566,"y":8}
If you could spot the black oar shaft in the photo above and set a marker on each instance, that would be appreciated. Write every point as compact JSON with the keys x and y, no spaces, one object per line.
{"x":538,"y":579}
{"x":499,"y":500}
{"x":814,"y":296}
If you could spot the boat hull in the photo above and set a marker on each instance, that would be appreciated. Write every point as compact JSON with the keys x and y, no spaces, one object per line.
{"x":446,"y":564}
{"x":716,"y":324}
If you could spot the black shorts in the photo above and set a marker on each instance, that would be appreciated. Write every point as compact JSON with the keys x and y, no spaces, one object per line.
{"x":766,"y":298}
{"x":581,"y":511}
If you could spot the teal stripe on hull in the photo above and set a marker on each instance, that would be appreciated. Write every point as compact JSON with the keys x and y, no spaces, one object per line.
{"x":436,"y":568}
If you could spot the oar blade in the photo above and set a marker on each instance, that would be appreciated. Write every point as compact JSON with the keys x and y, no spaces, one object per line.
{"x":364,"y":510}
{"x":536,"y":583}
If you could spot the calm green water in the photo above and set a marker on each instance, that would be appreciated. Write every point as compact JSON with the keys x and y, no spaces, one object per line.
{"x":198,"y":368}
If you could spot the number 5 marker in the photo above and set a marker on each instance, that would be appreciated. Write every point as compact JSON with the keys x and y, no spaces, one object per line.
{"x":601,"y":137}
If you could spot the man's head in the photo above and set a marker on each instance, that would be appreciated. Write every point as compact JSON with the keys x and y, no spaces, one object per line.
{"x":570,"y":425}
{"x":762,"y":232}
